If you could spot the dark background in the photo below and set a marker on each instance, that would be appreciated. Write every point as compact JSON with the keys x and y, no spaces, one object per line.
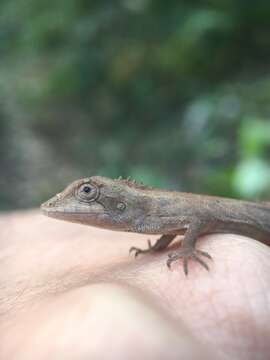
{"x":172,"y":93}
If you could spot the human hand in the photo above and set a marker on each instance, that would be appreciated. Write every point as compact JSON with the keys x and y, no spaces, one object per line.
{"x":72,"y":292}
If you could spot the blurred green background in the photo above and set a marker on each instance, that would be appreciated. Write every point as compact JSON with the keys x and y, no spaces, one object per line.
{"x":174,"y":94}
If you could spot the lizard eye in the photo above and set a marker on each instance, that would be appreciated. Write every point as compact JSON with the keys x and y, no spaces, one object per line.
{"x":87,"y":189}
{"x":87,"y":192}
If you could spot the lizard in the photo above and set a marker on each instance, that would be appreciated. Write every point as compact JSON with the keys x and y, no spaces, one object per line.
{"x":127,"y":205}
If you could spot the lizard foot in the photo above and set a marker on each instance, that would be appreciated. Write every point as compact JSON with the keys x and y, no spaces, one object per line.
{"x":138,"y":251}
{"x":159,"y":245}
{"x":187,"y":254}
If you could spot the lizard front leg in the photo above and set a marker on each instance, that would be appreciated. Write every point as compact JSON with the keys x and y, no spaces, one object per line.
{"x":159,"y":245}
{"x":187,"y":250}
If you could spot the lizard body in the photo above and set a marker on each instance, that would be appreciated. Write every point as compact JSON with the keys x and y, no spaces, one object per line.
{"x":125,"y":205}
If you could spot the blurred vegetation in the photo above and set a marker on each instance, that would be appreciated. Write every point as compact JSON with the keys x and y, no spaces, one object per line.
{"x":175,"y":94}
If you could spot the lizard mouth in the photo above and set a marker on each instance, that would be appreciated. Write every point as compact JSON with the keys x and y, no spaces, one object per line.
{"x":72,"y":212}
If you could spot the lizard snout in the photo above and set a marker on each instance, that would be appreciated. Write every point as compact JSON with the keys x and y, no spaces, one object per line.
{"x":50,"y":204}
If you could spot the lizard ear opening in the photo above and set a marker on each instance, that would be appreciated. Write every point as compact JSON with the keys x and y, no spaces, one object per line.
{"x":87,"y":192}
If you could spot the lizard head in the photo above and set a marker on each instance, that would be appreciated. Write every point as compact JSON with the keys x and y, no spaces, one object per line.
{"x":98,"y":201}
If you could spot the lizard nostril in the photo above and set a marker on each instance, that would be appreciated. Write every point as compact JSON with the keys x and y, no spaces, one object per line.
{"x":51,"y":202}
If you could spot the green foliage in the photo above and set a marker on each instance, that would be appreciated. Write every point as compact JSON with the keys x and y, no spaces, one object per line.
{"x":254,"y":136}
{"x":173,"y":93}
{"x":252,"y":173}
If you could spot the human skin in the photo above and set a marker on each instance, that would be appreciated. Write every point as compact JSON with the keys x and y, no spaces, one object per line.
{"x":69,"y":291}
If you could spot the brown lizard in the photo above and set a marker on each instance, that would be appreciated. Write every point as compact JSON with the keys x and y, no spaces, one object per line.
{"x":126,"y":205}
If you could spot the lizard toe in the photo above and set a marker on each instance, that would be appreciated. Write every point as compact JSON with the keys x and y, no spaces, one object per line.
{"x":186,"y":254}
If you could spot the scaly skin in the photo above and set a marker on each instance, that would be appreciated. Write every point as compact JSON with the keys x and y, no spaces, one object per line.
{"x":125,"y":205}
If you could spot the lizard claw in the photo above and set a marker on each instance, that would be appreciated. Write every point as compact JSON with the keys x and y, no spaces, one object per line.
{"x":136,"y":250}
{"x":187,"y":254}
